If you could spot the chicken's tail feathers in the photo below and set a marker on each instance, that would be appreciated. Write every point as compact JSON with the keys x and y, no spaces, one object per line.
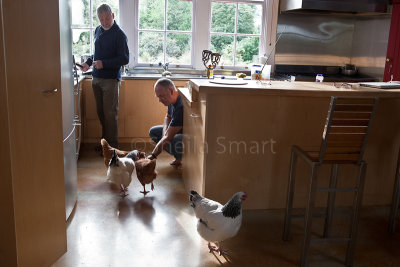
{"x":104,"y":142}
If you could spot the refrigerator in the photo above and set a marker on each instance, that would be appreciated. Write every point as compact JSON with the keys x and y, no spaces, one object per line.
{"x":70,"y":121}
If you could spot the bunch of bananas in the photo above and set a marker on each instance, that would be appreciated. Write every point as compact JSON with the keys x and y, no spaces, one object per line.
{"x":241,"y":75}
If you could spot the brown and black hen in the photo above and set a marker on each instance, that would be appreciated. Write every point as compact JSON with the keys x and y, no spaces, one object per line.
{"x":146,"y":172}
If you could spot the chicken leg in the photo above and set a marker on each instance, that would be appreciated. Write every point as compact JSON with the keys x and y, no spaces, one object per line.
{"x":212,"y":248}
{"x":217,"y":249}
{"x":144,"y":192}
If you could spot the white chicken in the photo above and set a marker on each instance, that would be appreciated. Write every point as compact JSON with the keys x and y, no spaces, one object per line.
{"x":216,"y":222}
{"x":120,"y":171}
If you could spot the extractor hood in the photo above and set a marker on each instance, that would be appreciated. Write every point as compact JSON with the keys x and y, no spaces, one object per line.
{"x":349,"y":6}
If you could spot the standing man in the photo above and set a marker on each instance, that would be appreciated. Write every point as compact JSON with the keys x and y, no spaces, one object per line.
{"x":169,"y":135}
{"x":110,"y":53}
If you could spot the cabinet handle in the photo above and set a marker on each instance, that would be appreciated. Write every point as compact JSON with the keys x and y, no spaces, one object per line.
{"x":194,"y":115}
{"x":49,"y":91}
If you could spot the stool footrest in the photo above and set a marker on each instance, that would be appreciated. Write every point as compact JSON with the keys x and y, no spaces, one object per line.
{"x":331,"y":239}
{"x":322,"y":215}
{"x":343,"y":189}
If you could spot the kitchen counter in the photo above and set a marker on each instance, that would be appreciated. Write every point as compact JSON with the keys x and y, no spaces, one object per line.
{"x":291,"y":89}
{"x":155,"y":76}
{"x":239,"y":138}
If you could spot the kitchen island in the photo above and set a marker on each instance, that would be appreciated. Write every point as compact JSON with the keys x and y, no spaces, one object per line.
{"x":239,"y":138}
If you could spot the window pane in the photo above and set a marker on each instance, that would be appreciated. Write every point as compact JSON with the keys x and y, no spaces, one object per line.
{"x":246,"y":48}
{"x":80,"y":43}
{"x":178,"y":48}
{"x":114,"y":4}
{"x":151,"y":14}
{"x":80,"y":13}
{"x":223,"y":44}
{"x":223,"y":17}
{"x":179,"y":15}
{"x":249,"y":19}
{"x":150,"y":47}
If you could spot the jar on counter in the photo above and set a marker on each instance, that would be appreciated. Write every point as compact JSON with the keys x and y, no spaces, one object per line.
{"x":319,"y":78}
{"x":256,"y":72}
{"x":210,"y":72}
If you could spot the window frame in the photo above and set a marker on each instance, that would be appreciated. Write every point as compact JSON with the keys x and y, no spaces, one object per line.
{"x":201,"y":28}
{"x":165,"y":31}
{"x":87,"y":28}
{"x":235,"y":34}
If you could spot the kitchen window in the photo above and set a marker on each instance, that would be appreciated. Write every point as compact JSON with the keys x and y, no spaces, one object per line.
{"x":236,"y":31}
{"x":165,"y":32}
{"x":176,"y":31}
{"x":84,"y":22}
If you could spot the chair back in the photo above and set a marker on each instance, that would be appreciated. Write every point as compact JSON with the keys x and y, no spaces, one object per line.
{"x":346,"y":129}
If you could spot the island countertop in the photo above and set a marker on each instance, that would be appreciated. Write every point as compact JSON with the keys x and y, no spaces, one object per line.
{"x":289,"y":88}
{"x":239,"y":138}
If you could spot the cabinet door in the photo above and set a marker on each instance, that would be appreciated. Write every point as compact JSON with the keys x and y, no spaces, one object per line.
{"x":392,"y":66}
{"x":193,"y":147}
{"x":142,"y":109}
{"x":32,"y":64}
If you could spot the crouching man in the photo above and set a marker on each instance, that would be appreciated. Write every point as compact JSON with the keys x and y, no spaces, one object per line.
{"x":169,"y":135}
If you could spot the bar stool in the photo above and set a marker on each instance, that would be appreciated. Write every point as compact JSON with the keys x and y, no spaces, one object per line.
{"x":396,"y":199}
{"x":343,"y":142}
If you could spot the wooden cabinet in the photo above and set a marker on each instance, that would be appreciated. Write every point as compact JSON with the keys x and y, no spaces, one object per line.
{"x":32,"y":190}
{"x":239,"y":138}
{"x":139,"y":110}
{"x":193,"y":141}
{"x":142,"y":109}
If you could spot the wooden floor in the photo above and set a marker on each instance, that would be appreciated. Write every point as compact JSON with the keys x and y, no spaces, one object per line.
{"x":160,"y":229}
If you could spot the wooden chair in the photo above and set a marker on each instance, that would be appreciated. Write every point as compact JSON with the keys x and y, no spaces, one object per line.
{"x":343,"y":142}
{"x":396,"y":199}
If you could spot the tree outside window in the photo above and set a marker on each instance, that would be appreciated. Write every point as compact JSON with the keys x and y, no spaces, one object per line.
{"x":235,"y":31}
{"x":165,"y":31}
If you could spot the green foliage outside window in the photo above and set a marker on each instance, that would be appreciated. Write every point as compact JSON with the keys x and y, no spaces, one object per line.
{"x":178,"y":21}
{"x":248,"y":22}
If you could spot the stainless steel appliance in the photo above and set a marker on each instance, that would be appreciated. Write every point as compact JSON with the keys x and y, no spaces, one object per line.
{"x":353,"y":6}
{"x":67,"y":85}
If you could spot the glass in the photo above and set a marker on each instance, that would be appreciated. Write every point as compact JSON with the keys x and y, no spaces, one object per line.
{"x":249,"y":19}
{"x":179,"y":15}
{"x":151,"y":47}
{"x":114,"y":4}
{"x":223,"y":17}
{"x":246,"y":48}
{"x":80,"y":13}
{"x":223,"y":44}
{"x":151,"y":14}
{"x":178,"y":48}
{"x":80,"y":43}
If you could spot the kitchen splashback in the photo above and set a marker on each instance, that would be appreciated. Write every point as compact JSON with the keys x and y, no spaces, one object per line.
{"x":333,"y":40}
{"x":314,"y":40}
